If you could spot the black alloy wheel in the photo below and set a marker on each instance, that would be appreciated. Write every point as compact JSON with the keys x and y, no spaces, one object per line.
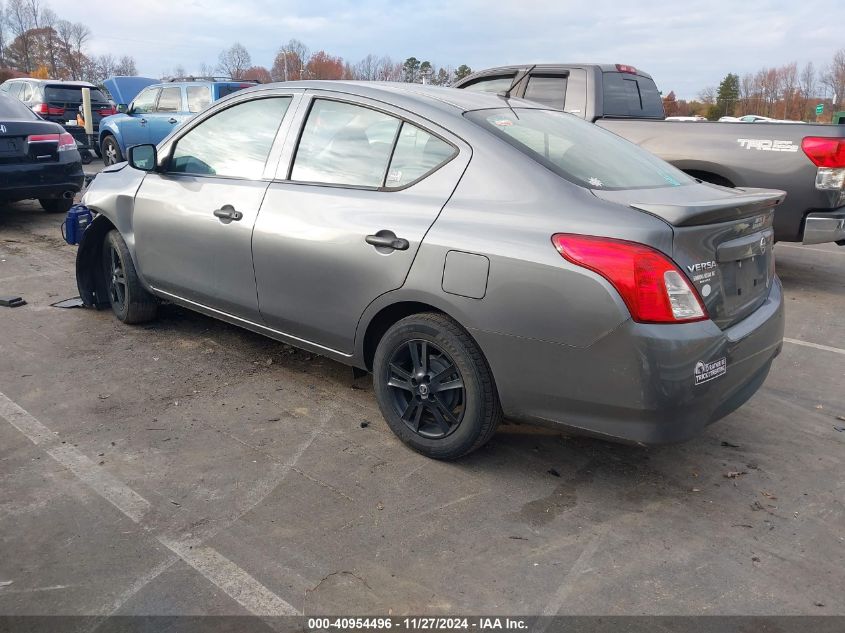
{"x":427,"y":389}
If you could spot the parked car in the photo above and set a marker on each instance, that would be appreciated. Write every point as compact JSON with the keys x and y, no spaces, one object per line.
{"x":482,"y":257}
{"x":807,"y":161}
{"x":38,"y":159}
{"x":157,"y":110}
{"x":753,"y":118}
{"x":60,"y":102}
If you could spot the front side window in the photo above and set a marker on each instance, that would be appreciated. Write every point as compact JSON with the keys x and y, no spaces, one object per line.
{"x":199,"y":98}
{"x":344,"y":144}
{"x":548,"y":90}
{"x":170,"y":100}
{"x":234,"y":143}
{"x":145,"y":101}
{"x":579,"y":151}
{"x":491,"y":84}
{"x":416,"y":155}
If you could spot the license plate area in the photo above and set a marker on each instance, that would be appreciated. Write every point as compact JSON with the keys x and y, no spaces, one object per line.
{"x":746,"y":266}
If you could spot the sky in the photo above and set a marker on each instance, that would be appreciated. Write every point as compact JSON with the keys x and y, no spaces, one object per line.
{"x":685,"y":46}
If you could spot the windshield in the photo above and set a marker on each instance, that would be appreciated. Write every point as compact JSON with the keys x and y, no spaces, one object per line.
{"x":579,"y":151}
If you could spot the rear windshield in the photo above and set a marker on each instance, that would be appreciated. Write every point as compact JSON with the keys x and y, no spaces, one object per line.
{"x":71,"y":94}
{"x":578,"y":151}
{"x":224,"y":90}
{"x":14,"y":109}
{"x":631,"y":95}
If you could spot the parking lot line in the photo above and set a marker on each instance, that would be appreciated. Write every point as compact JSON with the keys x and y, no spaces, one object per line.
{"x":236,"y":582}
{"x":826,"y":348}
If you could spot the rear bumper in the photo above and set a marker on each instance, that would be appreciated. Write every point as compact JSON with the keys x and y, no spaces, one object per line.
{"x":638,"y":383}
{"x":48,"y":180}
{"x":821,"y":227}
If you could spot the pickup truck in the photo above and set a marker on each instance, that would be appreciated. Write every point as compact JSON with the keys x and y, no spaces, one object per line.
{"x":805,"y":160}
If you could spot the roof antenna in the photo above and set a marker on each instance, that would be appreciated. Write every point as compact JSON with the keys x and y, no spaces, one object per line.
{"x":522,"y":74}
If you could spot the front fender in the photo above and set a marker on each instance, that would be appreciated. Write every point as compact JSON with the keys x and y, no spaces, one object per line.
{"x":111,"y":125}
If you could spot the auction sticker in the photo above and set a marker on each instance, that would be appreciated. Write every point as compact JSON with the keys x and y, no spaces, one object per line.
{"x":708,"y":371}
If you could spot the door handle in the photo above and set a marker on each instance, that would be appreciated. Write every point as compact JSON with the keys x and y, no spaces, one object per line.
{"x":143,"y":121}
{"x":227,"y":212}
{"x":172,"y":120}
{"x":387,"y":239}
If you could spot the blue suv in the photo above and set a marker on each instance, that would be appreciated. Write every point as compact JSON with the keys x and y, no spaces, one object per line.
{"x":158,"y":110}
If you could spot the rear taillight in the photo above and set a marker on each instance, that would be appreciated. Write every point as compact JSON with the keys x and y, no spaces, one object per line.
{"x":64,"y":141}
{"x":828,"y":154}
{"x":43,"y":108}
{"x":825,"y":152}
{"x":625,"y":68}
{"x":107,"y":112}
{"x":651,"y":285}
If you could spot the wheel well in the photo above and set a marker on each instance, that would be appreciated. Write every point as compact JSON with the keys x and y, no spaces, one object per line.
{"x":89,"y":274}
{"x":712,"y":178}
{"x":382,"y":322}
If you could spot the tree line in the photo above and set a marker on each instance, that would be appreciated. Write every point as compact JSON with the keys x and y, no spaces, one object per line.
{"x":36,"y":42}
{"x":295,"y":61}
{"x":784,"y":92}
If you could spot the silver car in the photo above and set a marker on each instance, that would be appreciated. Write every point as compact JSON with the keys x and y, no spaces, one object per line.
{"x":482,"y":256}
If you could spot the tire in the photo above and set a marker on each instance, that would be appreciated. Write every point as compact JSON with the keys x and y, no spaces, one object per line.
{"x":110,"y":151}
{"x":416,"y":387}
{"x":129,"y":300}
{"x":56,"y":205}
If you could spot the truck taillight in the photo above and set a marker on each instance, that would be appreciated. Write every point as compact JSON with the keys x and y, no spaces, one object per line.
{"x":625,"y":68}
{"x":653,"y":288}
{"x":828,"y":154}
{"x":825,"y":152}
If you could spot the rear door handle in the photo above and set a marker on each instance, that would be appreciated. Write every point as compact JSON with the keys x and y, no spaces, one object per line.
{"x":227,"y":212}
{"x":172,"y":120}
{"x":388,"y":239}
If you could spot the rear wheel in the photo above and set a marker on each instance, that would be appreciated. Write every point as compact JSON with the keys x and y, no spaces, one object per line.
{"x":110,"y":151}
{"x":56,"y":205}
{"x":129,"y":300}
{"x":434,"y":387}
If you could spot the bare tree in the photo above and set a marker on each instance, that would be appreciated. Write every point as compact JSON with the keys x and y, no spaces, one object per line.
{"x":290,"y":61}
{"x":125,"y":67}
{"x":2,"y":35}
{"x":833,"y":77}
{"x":806,"y":88}
{"x":234,"y":61}
{"x":20,"y":21}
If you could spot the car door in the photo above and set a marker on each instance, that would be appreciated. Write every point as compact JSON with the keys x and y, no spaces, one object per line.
{"x":134,"y":129}
{"x":167,"y":114}
{"x":343,"y":225}
{"x":193,"y":220}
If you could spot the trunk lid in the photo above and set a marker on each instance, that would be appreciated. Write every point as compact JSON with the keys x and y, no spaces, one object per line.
{"x":723,"y":241}
{"x":15,"y":148}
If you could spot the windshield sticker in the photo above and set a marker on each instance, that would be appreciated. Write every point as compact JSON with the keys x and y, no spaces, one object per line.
{"x":503,"y":122}
{"x":670,"y":180}
{"x":705,"y":372}
{"x":595,"y":182}
{"x":394,"y":175}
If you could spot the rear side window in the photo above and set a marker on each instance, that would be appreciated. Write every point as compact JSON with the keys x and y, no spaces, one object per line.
{"x":224,"y":90}
{"x":631,"y":95}
{"x":546,"y":89}
{"x":170,"y":100}
{"x":344,"y":144}
{"x":14,"y":109}
{"x":579,"y":151}
{"x":145,"y":101}
{"x":416,"y":155}
{"x":71,"y":94}
{"x":491,"y":84}
{"x":199,"y":98}
{"x":15,"y":89}
{"x":234,"y":143}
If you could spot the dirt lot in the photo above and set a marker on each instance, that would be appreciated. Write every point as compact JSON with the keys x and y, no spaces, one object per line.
{"x":190,"y":467}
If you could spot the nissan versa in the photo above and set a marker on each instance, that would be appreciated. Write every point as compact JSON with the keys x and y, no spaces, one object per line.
{"x":482,"y":256}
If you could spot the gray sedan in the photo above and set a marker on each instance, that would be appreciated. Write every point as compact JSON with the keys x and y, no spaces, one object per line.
{"x":482,"y":256}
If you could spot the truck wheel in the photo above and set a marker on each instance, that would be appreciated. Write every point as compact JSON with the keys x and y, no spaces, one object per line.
{"x":434,"y":387}
{"x":129,"y":300}
{"x":56,"y":205}
{"x":110,"y":151}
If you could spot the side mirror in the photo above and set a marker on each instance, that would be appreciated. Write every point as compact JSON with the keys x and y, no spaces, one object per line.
{"x":143,"y":157}
{"x":122,"y":107}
